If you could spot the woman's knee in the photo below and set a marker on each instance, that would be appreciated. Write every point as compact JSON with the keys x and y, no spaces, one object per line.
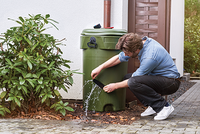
{"x":132,"y":82}
{"x":136,"y":83}
{"x":127,"y":76}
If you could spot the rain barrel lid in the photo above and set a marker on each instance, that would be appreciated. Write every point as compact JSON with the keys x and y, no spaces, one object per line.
{"x":104,"y":32}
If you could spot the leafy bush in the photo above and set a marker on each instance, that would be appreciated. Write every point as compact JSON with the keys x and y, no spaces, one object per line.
{"x":191,"y":57}
{"x":192,"y":36}
{"x":192,"y":8}
{"x":31,"y":66}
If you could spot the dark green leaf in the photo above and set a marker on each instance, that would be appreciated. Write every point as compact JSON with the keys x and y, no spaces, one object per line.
{"x":49,"y":96}
{"x":66,"y":65}
{"x":35,"y":46}
{"x":42,"y":86}
{"x":58,"y":107}
{"x":53,"y":106}
{"x":43,"y":65}
{"x":2,"y":113}
{"x":53,"y":81}
{"x":6,"y":81}
{"x":54,"y":25}
{"x":18,"y":38}
{"x":19,"y":70}
{"x":57,"y":92}
{"x":66,"y":103}
{"x":18,"y":64}
{"x":21,"y":81}
{"x":29,"y":75}
{"x":22,"y":20}
{"x":29,"y":42}
{"x":3,"y":94}
{"x":7,"y":110}
{"x":51,"y":64}
{"x":43,"y":30}
{"x":31,"y":82}
{"x":29,"y":64}
{"x":44,"y":98}
{"x":10,"y":98}
{"x":19,"y":22}
{"x":70,"y":79}
{"x":62,"y":111}
{"x":43,"y":71}
{"x":69,"y":108}
{"x":20,"y":97}
{"x":37,"y":16}
{"x":53,"y":21}
{"x":34,"y":76}
{"x":5,"y":71}
{"x":40,"y":81}
{"x":61,"y":102}
{"x":17,"y":102}
{"x":37,"y":88}
{"x":9,"y":62}
{"x":46,"y":21}
{"x":24,"y":89}
{"x":19,"y":87}
{"x":63,"y":87}
{"x":47,"y":16}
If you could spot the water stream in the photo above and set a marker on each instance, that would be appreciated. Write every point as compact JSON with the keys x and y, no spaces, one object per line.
{"x":97,"y":92}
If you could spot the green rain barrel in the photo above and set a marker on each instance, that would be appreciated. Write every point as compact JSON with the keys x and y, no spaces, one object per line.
{"x":98,"y":46}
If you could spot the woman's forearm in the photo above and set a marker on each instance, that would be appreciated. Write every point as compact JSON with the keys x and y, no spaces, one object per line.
{"x":113,"y":86}
{"x":111,"y":62}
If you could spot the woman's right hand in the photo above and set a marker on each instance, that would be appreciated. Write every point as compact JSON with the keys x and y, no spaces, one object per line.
{"x":109,"y":63}
{"x":95,"y":72}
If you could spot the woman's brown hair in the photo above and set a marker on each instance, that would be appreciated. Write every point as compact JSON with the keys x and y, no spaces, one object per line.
{"x":129,"y":42}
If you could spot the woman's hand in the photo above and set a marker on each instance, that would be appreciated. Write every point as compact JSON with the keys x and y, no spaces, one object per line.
{"x":110,"y":87}
{"x":95,"y":72}
{"x":113,"y":86}
{"x":109,"y":63}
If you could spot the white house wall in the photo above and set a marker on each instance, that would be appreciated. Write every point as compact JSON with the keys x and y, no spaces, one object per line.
{"x":73,"y":16}
{"x":119,"y":14}
{"x":177,"y":33}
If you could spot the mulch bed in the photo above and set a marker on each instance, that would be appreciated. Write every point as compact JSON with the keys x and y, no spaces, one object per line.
{"x":125,"y":117}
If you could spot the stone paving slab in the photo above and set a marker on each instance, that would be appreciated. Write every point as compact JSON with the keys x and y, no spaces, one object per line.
{"x":184,"y":120}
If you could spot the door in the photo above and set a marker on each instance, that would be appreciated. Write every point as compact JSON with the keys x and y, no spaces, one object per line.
{"x":149,"y":18}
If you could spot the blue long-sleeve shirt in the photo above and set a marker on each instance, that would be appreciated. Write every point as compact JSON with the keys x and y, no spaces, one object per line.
{"x":154,"y":60}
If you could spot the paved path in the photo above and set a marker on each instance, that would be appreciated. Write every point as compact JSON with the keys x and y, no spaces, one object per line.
{"x":185,"y":119}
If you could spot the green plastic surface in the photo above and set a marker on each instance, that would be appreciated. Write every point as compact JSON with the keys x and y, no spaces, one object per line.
{"x":94,"y":98}
{"x":103,"y":32}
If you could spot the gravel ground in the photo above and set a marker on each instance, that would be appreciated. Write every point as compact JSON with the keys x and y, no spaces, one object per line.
{"x":184,"y":86}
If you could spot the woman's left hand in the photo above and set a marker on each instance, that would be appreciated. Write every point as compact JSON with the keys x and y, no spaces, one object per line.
{"x":110,"y":87}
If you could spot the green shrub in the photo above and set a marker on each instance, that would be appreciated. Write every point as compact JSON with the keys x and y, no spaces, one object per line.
{"x":31,"y":71}
{"x":192,"y":44}
{"x":191,"y":57}
{"x":192,"y":36}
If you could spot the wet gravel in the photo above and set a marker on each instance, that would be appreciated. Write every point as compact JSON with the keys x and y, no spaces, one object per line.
{"x":184,"y":86}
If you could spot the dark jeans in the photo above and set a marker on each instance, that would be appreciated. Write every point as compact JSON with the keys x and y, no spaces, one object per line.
{"x":150,"y":89}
